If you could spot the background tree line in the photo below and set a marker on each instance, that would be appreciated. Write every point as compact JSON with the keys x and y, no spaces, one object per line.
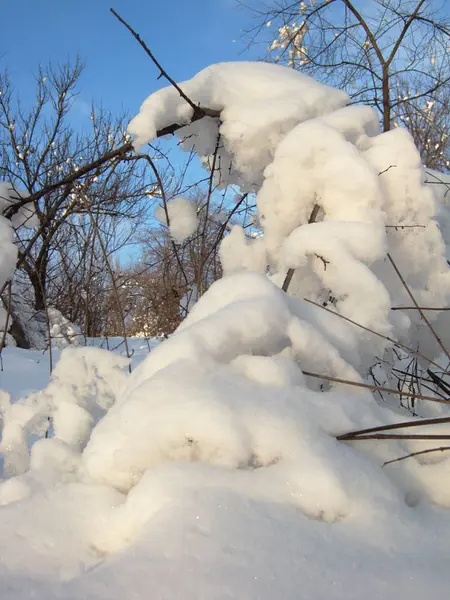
{"x":97,"y":254}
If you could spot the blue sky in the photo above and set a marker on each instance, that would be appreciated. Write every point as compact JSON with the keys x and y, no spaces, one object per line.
{"x":185,"y":35}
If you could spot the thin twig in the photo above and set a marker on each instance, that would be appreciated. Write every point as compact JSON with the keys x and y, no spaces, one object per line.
{"x":162,"y":73}
{"x":405,"y":226}
{"x":387,"y":169}
{"x":380,"y":335}
{"x":399,"y":436}
{"x":202,"y":261}
{"x":428,"y":451}
{"x":6,"y":325}
{"x":94,"y":222}
{"x":406,"y":424}
{"x":47,"y":321}
{"x":419,"y":308}
{"x":410,"y":294}
{"x":166,"y":212}
{"x":438,"y":381}
{"x":224,"y":225}
{"x":375,"y":387}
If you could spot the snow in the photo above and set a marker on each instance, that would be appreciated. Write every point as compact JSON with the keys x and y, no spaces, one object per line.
{"x":8,"y":251}
{"x":238,"y":253}
{"x":238,"y":486}
{"x":62,"y":332}
{"x":182,"y":218}
{"x":213,"y":470}
{"x":25,"y":216}
{"x":297,"y":144}
{"x":246,"y":94}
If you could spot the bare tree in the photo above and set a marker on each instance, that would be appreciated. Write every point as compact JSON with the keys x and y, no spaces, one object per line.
{"x":158,"y":290}
{"x":428,"y":121}
{"x":370,"y":49}
{"x":39,"y":148}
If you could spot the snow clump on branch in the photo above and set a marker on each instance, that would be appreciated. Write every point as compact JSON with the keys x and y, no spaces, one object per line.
{"x":182,"y":218}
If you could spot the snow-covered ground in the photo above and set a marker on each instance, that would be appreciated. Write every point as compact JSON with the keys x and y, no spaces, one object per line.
{"x":25,"y":371}
{"x":215,"y":474}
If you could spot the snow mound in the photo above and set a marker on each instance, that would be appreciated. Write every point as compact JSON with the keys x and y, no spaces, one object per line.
{"x":227,"y":389}
{"x":220,"y":440}
{"x":84,"y":384}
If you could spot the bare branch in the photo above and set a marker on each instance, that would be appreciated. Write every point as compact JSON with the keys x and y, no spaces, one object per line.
{"x":375,"y":387}
{"x":418,"y":308}
{"x":198,"y":112}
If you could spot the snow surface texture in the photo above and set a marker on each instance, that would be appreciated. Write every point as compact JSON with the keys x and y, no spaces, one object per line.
{"x":182,"y":218}
{"x":213,"y":470}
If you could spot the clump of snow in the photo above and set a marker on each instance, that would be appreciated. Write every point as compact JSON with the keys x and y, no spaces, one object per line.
{"x":182,"y":218}
{"x":8,"y":252}
{"x":238,"y":253}
{"x":25,"y":216}
{"x":259,"y":104}
{"x":84,"y":384}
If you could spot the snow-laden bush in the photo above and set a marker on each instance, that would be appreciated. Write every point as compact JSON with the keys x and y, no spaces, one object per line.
{"x":298,"y":145}
{"x":219,"y":444}
{"x":33,"y":324}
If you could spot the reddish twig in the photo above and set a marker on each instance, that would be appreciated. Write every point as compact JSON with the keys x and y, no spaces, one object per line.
{"x":428,"y":451}
{"x":380,"y":335}
{"x":399,"y":436}
{"x":375,"y":387}
{"x":418,"y":308}
{"x":422,"y":314}
{"x":406,"y":424}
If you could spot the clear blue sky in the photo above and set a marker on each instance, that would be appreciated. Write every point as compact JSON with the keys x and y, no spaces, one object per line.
{"x":185,"y":35}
